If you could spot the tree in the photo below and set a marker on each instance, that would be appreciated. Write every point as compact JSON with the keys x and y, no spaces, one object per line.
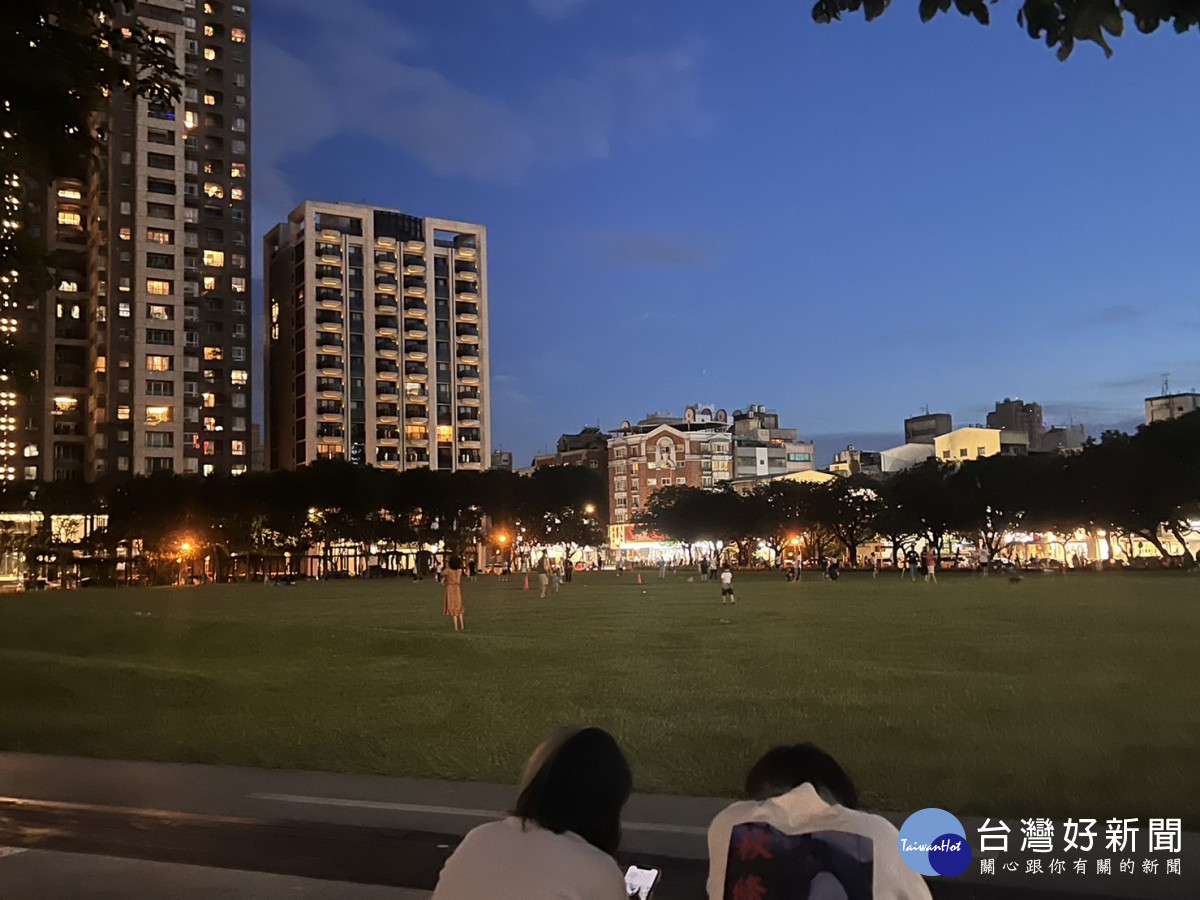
{"x":564,"y":505}
{"x":1059,"y":22}
{"x":848,"y":507}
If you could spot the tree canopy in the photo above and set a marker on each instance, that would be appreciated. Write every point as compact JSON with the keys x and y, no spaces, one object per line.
{"x":1060,"y":23}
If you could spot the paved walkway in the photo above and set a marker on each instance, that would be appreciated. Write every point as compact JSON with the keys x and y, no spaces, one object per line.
{"x":271,"y":813}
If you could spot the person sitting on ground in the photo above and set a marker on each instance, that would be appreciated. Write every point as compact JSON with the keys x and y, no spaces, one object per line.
{"x":559,"y":842}
{"x":800,"y":834}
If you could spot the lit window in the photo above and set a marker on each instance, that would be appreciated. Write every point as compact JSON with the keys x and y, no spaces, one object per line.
{"x":237,"y":35}
{"x":31,"y":450}
{"x":212,"y":353}
{"x":212,"y":189}
{"x":238,"y":448}
{"x":237,"y":194}
{"x":213,"y":258}
{"x":155,"y":311}
{"x":101,"y":363}
{"x":239,"y":376}
{"x":158,"y":415}
{"x":210,"y":100}
{"x":209,"y":31}
{"x":239,"y":284}
{"x":189,"y":119}
{"x":70,"y":194}
{"x":238,"y":261}
{"x":63,"y":405}
{"x":445,"y":433}
{"x":123,"y":310}
{"x":69,"y":286}
{"x":210,"y":282}
{"x":210,"y":400}
{"x":158,"y":287}
{"x":70,"y":218}
{"x":237,"y":170}
{"x":159,"y":364}
{"x":160,"y":236}
{"x":210,"y":53}
{"x":123,"y":412}
{"x":126,"y":234}
{"x":237,"y":470}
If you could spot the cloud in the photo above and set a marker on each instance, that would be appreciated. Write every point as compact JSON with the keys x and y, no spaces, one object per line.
{"x":556,"y":9}
{"x":628,"y":250}
{"x":1119,"y":314}
{"x":365,"y":78}
{"x":505,"y":387}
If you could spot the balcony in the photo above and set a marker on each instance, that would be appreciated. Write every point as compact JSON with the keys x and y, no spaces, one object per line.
{"x":387,"y":374}
{"x":332,"y":235}
{"x":415,"y":372}
{"x":467,"y":354}
{"x":386,"y":242}
{"x":330,"y":365}
{"x":329,"y":298}
{"x":385,"y":287}
{"x":466,"y":272}
{"x":329,"y":417}
{"x":416,"y":413}
{"x":388,"y":441}
{"x":387,"y":350}
{"x":466,"y":291}
{"x":329,"y":256}
{"x":389,"y":419}
{"x":385,"y":262}
{"x":387,"y":391}
{"x":466,"y":313}
{"x":386,"y":326}
{"x":414,"y":247}
{"x":385,"y":303}
{"x":469,"y":376}
{"x":414,"y":269}
{"x":468,"y":415}
{"x":413,"y":305}
{"x":467,"y":334}
{"x":331,"y":324}
{"x":415,"y":328}
{"x":470,"y":445}
{"x":388,"y":462}
{"x":330,"y":393}
{"x":469,"y":399}
{"x":465,"y":252}
{"x":417,"y":440}
{"x":416,"y":352}
{"x":327,"y":346}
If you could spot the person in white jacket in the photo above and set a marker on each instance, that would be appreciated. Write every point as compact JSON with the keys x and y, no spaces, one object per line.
{"x":559,"y":842}
{"x":802,"y":836}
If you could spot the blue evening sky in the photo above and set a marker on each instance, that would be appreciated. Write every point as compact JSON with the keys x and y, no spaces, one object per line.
{"x":715,"y":202}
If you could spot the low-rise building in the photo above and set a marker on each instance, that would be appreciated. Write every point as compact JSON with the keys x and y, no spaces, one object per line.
{"x":897,"y":459}
{"x":502,"y":460}
{"x":962,"y":444}
{"x":588,"y":448}
{"x":763,"y":449}
{"x":1166,"y":407}
{"x":1019,"y":417}
{"x":853,"y":461}
{"x":927,"y":428}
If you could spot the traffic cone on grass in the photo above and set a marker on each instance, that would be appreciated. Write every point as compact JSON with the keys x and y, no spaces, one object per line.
{"x":526,"y":582}
{"x":639,"y":577}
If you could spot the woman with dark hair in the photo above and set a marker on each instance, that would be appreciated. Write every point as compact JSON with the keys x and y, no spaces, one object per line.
{"x":452,"y":578}
{"x":801,"y":834}
{"x":559,"y":842}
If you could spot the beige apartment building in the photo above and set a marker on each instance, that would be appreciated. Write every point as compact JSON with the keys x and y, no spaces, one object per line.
{"x":376,"y":344}
{"x":144,"y":336}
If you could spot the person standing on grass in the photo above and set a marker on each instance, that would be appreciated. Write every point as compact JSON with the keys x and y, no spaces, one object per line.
{"x":985,"y":561}
{"x":543,"y":575}
{"x":727,"y":585}
{"x":452,"y":578}
{"x":930,"y":560}
{"x":913,"y":561}
{"x":875,"y":565}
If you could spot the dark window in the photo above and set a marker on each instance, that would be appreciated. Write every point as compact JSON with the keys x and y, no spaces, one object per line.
{"x":160,"y":160}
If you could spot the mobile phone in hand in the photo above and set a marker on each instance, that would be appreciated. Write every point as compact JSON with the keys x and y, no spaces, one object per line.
{"x":640,"y":882}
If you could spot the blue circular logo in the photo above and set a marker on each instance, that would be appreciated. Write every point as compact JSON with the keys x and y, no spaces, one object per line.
{"x":933,"y":842}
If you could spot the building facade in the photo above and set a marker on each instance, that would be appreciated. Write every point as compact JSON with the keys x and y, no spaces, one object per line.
{"x":853,"y":461}
{"x":1166,"y":407}
{"x":588,"y":448}
{"x":144,"y":336}
{"x":664,"y":451}
{"x":964,"y":444}
{"x":764,"y":450}
{"x":364,"y":361}
{"x":502,"y":460}
{"x":927,"y":428}
{"x":1016,"y":417}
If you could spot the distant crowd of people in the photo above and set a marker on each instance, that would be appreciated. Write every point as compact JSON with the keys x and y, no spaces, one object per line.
{"x":798,"y":833}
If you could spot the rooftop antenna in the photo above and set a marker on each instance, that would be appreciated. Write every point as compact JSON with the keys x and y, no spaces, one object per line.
{"x":926,"y":409}
{"x":1166,"y":383}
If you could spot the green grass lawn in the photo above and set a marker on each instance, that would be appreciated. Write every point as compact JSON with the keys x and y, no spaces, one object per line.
{"x":1055,"y":696}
